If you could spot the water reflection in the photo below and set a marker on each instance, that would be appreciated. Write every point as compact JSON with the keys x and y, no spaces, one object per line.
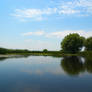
{"x":88,"y":64}
{"x":44,"y":74}
{"x":76,"y":65}
{"x":72,"y":65}
{"x":3,"y":58}
{"x":13,"y":56}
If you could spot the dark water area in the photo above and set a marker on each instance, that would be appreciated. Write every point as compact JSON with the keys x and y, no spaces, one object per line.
{"x":46,"y":74}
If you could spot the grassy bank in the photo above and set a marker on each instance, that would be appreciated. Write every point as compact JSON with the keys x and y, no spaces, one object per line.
{"x":4,"y":51}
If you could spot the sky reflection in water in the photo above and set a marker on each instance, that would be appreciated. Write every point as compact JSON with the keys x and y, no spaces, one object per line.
{"x":45,"y":74}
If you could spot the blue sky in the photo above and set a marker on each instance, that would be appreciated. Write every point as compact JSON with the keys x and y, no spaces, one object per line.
{"x":40,"y":24}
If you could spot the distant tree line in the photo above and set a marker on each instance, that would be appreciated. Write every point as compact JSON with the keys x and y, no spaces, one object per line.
{"x":20,"y":51}
{"x":5,"y":51}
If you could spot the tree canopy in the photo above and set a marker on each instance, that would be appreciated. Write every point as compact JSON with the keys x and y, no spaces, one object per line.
{"x":88,"y":44}
{"x":45,"y":50}
{"x":72,"y":43}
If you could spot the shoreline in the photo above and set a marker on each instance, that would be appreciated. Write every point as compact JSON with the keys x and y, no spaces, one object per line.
{"x":10,"y":56}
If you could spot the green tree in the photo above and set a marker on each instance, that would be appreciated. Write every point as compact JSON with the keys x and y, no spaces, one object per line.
{"x":88,"y":44}
{"x":72,"y":43}
{"x":45,"y":50}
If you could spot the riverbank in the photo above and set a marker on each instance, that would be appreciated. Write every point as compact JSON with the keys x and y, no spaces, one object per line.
{"x":10,"y":56}
{"x":19,"y":52}
{"x":56,"y":54}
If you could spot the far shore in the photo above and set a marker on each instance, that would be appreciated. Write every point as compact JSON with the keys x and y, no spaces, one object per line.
{"x":55,"y":54}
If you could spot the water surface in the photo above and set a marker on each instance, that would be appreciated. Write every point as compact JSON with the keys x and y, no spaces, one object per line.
{"x":45,"y":74}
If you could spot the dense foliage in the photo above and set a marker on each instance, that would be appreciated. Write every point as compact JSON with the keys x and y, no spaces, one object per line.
{"x":72,"y":43}
{"x":88,"y":44}
{"x":3,"y":51}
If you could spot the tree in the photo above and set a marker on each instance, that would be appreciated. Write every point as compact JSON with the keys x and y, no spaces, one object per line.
{"x":72,"y":43}
{"x":45,"y":50}
{"x":88,"y":44}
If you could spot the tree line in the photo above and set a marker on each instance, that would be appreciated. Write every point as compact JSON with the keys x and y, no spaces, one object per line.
{"x":21,"y":51}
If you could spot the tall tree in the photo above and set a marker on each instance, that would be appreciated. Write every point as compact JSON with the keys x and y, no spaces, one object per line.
{"x":72,"y":43}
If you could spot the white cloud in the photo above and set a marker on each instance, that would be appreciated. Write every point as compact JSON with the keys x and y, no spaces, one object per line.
{"x":36,"y":14}
{"x":58,"y":34}
{"x":79,"y":7}
{"x":62,"y":34}
{"x":75,"y":7}
{"x":38,"y":33}
{"x":68,"y":11}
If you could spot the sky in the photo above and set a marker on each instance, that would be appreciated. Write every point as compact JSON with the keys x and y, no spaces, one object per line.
{"x":42,"y":24}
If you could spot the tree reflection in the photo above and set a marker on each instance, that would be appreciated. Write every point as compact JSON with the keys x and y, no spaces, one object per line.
{"x":13,"y":56}
{"x":88,"y":64}
{"x":72,"y":65}
{"x":3,"y":58}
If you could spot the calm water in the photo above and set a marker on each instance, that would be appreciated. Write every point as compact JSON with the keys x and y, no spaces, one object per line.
{"x":45,"y":74}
